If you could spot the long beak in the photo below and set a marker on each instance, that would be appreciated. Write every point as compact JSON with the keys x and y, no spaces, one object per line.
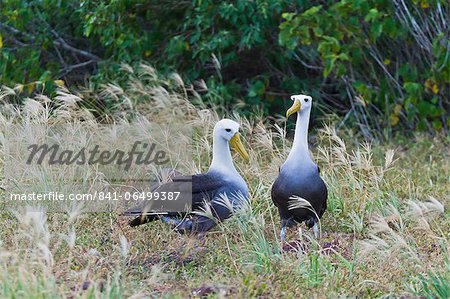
{"x":295,"y":108}
{"x":237,"y":145}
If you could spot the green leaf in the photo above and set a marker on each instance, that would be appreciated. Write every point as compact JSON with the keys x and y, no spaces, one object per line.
{"x":343,"y":57}
{"x":312,"y":11}
{"x":412,"y":88}
{"x":394,"y":119}
{"x":372,"y":15}
{"x":318,"y":31}
{"x":341,"y":70}
{"x":88,"y":29}
{"x":376,"y":29}
{"x":45,"y":76}
{"x":425,"y":108}
{"x":329,"y":65}
{"x":288,"y":15}
{"x":390,"y":27}
{"x":257,"y":89}
{"x":437,"y":125}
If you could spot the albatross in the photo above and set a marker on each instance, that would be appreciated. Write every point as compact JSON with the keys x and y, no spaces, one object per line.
{"x":221,"y":182}
{"x":299,"y":192}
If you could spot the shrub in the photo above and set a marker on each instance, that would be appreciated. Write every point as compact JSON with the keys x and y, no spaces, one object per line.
{"x":380,"y":64}
{"x":392,"y":56}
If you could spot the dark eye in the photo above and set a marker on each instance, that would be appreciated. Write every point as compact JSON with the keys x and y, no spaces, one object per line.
{"x":228,"y":130}
{"x":306,"y":100}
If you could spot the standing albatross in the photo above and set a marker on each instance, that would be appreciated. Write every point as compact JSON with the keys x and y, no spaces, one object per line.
{"x":221,"y":181}
{"x":299,"y":192}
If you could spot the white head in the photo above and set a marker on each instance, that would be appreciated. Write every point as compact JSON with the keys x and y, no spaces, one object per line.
{"x":228,"y":130}
{"x":301,"y":102}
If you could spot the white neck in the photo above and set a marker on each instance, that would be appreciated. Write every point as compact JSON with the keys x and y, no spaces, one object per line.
{"x":300,"y":149}
{"x":222,"y":160}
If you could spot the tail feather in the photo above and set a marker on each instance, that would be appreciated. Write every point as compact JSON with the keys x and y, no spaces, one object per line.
{"x":311,"y":221}
{"x":143,"y":219}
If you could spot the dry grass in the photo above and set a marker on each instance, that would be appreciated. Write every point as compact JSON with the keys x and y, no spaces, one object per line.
{"x":386,"y":230}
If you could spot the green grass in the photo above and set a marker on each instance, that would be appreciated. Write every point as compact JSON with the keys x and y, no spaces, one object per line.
{"x":386,"y":230}
{"x":435,"y":285}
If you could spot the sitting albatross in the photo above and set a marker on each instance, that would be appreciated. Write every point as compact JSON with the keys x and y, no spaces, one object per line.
{"x":221,"y":180}
{"x":299,"y":178}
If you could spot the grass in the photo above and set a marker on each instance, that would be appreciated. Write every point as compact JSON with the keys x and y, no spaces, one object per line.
{"x":386,"y":230}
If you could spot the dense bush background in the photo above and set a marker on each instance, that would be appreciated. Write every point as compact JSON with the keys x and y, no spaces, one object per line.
{"x":382,"y":65}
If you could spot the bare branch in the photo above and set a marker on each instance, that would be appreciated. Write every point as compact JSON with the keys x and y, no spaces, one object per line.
{"x":305,"y":64}
{"x":69,"y":69}
{"x":59,"y":42}
{"x":62,"y":43}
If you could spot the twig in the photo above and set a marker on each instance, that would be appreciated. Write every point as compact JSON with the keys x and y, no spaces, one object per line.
{"x":345,"y":119}
{"x":68,"y":69}
{"x":305,"y":64}
{"x":61,"y":59}
{"x":386,"y":71}
{"x":61,"y":42}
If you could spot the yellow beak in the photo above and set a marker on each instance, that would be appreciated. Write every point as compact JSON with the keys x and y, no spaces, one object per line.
{"x":237,"y":145}
{"x":295,"y":107}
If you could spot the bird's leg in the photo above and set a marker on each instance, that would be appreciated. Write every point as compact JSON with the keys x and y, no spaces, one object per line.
{"x":285,"y":223}
{"x":300,"y":233}
{"x":283,"y":234}
{"x":316,"y":230}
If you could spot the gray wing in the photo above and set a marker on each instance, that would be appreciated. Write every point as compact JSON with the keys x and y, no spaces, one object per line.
{"x":194,"y":189}
{"x":220,"y":208}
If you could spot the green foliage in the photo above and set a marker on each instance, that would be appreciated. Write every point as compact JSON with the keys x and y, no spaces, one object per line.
{"x":393,"y":58}
{"x":435,"y":284}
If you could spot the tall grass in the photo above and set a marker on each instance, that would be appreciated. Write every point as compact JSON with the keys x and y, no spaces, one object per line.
{"x":385,"y":230}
